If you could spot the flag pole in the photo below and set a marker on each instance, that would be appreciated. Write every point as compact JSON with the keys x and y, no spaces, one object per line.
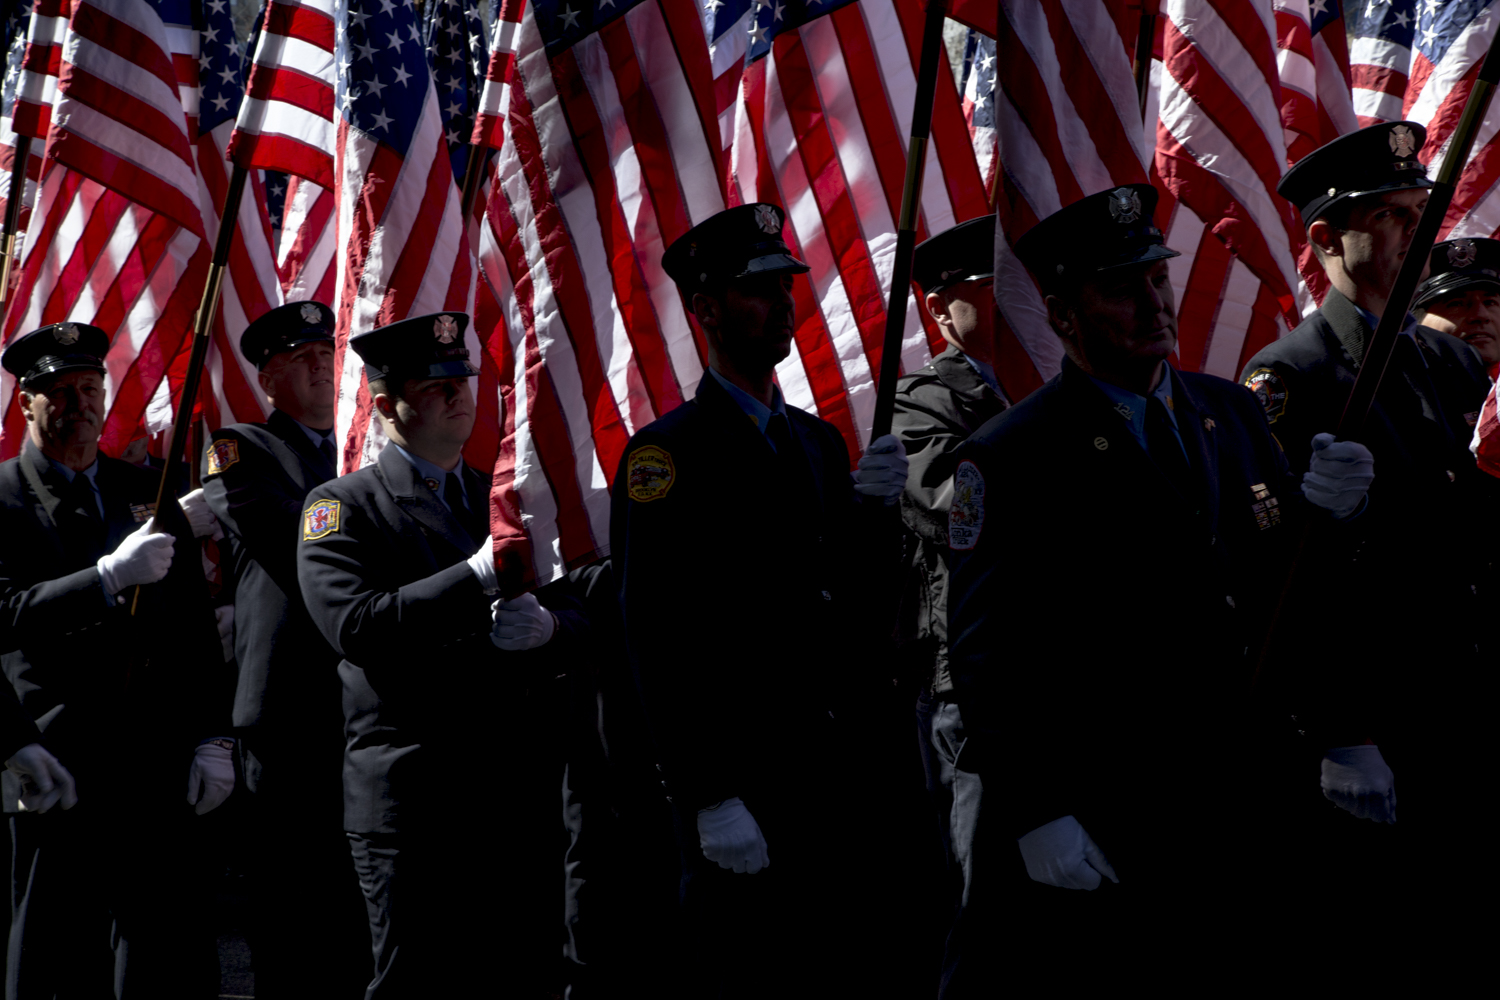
{"x":12,"y":223}
{"x":203,"y":323}
{"x":906,"y":232}
{"x":1145,"y":40}
{"x":1377,"y":356}
{"x":473,"y":172}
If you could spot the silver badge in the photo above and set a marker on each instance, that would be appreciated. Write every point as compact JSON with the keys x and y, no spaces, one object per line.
{"x":445,"y":329}
{"x":1461,"y":253}
{"x":311,"y":313}
{"x":1124,"y":205}
{"x":768,"y":219}
{"x":66,"y":334}
{"x":1403,"y":141}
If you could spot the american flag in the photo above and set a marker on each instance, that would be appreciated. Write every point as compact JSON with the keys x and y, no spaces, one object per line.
{"x":458,"y":51}
{"x":15,"y":19}
{"x":1380,"y":57}
{"x":619,"y":129}
{"x":401,"y":246}
{"x":1313,"y":60}
{"x":132,"y":262}
{"x":979,"y":80}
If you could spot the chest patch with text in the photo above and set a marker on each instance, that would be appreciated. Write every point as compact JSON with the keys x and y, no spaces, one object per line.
{"x":649,"y":474}
{"x":1269,"y":389}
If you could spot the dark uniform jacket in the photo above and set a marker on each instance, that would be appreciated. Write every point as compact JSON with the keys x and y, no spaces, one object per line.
{"x":255,"y":477}
{"x":748,"y":584}
{"x":937,"y":408}
{"x":1416,"y":556}
{"x":109,"y":690}
{"x":385,"y":577}
{"x":1099,"y":620}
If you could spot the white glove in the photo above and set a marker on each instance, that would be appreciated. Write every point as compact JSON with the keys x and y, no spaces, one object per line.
{"x":141,"y":558}
{"x":224,"y":618}
{"x":200,"y":516}
{"x":1060,"y":853}
{"x":211,"y":778}
{"x":882,"y":469}
{"x":483,"y":565}
{"x":521,"y":623}
{"x":1358,"y":780}
{"x":731,"y":838}
{"x":44,"y":781}
{"x":1338,"y":475}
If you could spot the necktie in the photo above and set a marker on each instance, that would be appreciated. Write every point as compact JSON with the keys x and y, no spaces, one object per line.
{"x":82,"y":509}
{"x":1165,"y":451}
{"x":795,"y":475}
{"x":329,"y":455}
{"x":453,"y":492}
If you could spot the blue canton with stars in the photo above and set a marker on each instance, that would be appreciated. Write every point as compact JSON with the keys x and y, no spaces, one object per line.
{"x":1440,"y":22}
{"x":221,"y":67}
{"x":979,"y":59}
{"x":1389,"y":22}
{"x":770,"y":18}
{"x":382,"y":70}
{"x":564,"y":22}
{"x":14,"y":16}
{"x":456,"y":50}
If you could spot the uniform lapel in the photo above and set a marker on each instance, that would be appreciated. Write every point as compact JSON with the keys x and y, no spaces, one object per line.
{"x":1103,"y":432}
{"x":295,"y":438}
{"x":414,"y":498}
{"x":1197,"y":426}
{"x":43,"y":480}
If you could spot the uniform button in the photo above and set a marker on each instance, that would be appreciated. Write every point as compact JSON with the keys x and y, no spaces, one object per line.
{"x":1452,"y":478}
{"x":1229,"y":599}
{"x":1101,"y":443}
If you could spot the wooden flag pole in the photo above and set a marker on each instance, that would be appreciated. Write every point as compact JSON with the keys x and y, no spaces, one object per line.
{"x":203,"y":323}
{"x":473,"y":173}
{"x":906,"y":232}
{"x":12,"y":223}
{"x":1145,"y":41}
{"x":1382,"y":345}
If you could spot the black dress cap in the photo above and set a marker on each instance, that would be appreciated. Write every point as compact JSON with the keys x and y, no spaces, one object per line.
{"x":1457,"y":266}
{"x":285,"y":327}
{"x":1372,"y":160}
{"x":1105,"y":230}
{"x":429,"y":346}
{"x":57,"y":348}
{"x":961,"y":253}
{"x":736,"y":243}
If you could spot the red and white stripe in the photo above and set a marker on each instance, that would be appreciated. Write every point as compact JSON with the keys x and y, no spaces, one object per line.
{"x":1317,"y":104}
{"x":286,"y":122}
{"x":36,"y":91}
{"x":1069,"y":128}
{"x":304,"y":257}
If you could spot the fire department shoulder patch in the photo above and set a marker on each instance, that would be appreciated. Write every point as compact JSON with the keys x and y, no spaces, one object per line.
{"x":649,"y":474}
{"x":966,"y":515}
{"x":222,"y":454}
{"x":1268,"y":387}
{"x":322,"y":518}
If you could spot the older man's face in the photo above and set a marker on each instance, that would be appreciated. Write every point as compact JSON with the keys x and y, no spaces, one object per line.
{"x":1473,"y":316}
{"x":66,"y":410}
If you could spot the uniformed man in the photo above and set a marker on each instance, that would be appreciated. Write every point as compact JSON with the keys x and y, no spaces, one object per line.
{"x":1416,"y":560}
{"x":129,"y":702}
{"x":748,"y":568}
{"x":308,"y":932}
{"x":1114,"y":540}
{"x":394,"y":567}
{"x":937,"y":408}
{"x":1461,"y":296}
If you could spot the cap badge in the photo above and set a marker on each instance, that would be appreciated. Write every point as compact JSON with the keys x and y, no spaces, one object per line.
{"x":66,"y":334}
{"x":311,"y":313}
{"x":1403,"y":141}
{"x":768,"y":219}
{"x":1124,"y":205}
{"x":1462,"y":253}
{"x":445,"y":329}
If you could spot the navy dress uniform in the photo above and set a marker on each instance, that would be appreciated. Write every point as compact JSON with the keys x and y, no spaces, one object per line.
{"x":1113,"y":560}
{"x":748,"y":574}
{"x":1415,"y":573}
{"x":937,"y":408}
{"x":101,"y":894}
{"x":432,"y":760}
{"x":287,"y":708}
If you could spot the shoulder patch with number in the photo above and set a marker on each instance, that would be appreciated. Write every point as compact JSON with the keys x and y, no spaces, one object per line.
{"x":1269,"y":389}
{"x":222,"y":454}
{"x":649,"y":474}
{"x":322,"y":518}
{"x":966,"y":515}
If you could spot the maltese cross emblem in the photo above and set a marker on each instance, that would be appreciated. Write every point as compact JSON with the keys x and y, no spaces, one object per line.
{"x":311,"y":313}
{"x":1124,"y":205}
{"x":767,"y":219}
{"x":445,"y":329}
{"x":1462,"y":253}
{"x":66,"y":334}
{"x":1403,"y":141}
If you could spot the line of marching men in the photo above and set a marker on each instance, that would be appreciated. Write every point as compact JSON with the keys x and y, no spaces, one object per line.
{"x":681,"y":767}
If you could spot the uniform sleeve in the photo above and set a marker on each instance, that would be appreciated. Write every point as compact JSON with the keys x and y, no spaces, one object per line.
{"x":247,"y":491}
{"x":52,"y":607}
{"x":930,"y":440}
{"x":343,"y":568}
{"x":16,"y":727}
